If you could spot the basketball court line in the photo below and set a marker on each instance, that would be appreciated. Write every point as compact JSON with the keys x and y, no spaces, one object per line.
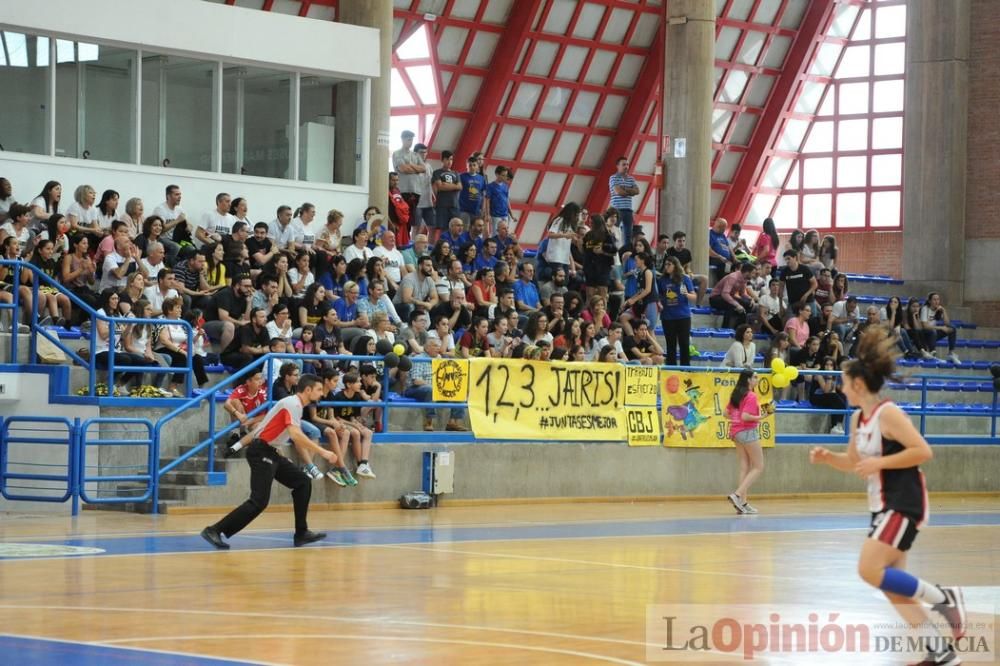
{"x":613,"y":529}
{"x":45,"y":651}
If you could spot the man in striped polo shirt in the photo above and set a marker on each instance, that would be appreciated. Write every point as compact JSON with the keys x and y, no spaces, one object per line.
{"x":623,"y":187}
{"x":282,"y":423}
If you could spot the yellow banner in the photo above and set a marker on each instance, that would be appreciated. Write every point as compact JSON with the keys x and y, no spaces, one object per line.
{"x":643,"y":426}
{"x":693,"y":408}
{"x":451,"y":379}
{"x":538,"y":400}
{"x":641,"y":385}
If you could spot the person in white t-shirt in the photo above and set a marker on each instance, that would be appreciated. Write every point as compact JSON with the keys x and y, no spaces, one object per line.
{"x":152,"y":263}
{"x":392,"y":260}
{"x":281,"y":231}
{"x":614,"y":340}
{"x":562,"y":231}
{"x":6,"y":199}
{"x":217,"y":223}
{"x":17,"y":225}
{"x":82,"y":214}
{"x":164,"y":288}
{"x":170,"y":212}
{"x":306,"y":228}
{"x":119,"y":264}
{"x":45,"y":205}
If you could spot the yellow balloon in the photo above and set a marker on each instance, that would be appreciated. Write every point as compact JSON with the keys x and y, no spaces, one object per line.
{"x":779,"y":381}
{"x":791,"y":372}
{"x":399,"y":349}
{"x":777,"y":365}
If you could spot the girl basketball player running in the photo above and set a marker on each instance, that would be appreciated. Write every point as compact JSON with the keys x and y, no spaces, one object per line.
{"x":886,"y":450}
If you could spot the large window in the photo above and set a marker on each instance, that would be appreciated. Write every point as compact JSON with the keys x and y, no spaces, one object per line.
{"x":24,"y":78}
{"x":161,"y":110}
{"x":95,"y":103}
{"x":839,"y":161}
{"x":256,"y":122}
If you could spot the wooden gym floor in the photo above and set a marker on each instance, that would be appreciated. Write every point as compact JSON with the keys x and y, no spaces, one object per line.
{"x":497,"y":584}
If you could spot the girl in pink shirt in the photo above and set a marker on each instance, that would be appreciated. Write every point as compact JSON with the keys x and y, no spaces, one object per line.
{"x":744,"y":413}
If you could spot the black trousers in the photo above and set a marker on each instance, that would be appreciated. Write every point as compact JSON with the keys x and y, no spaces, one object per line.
{"x":267,"y":465}
{"x":677,"y":333}
{"x":830,"y":401}
{"x":180,"y":359}
{"x":731,"y":318}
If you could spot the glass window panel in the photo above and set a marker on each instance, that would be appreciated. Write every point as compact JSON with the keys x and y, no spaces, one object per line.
{"x":890,"y":58}
{"x":25,"y":106}
{"x":786,"y":215}
{"x":255,"y":116}
{"x":820,"y":138}
{"x":555,"y":104}
{"x":525,"y":99}
{"x":885,"y":209}
{"x":853,"y":98}
{"x":42,"y":52}
{"x":95,"y":114}
{"x":852,"y":171}
{"x":887,"y":133}
{"x":743,"y":130}
{"x":818,"y":173}
{"x":793,"y":178}
{"x":740,"y":10}
{"x":776,"y":52}
{"x":887,"y":170}
{"x":330,"y":130}
{"x":887,"y":96}
{"x":854,"y":64}
{"x":399,"y":94}
{"x":851,"y":210}
{"x":65,"y":51}
{"x":792,"y":16}
{"x":725,"y":43}
{"x":752,"y":44}
{"x":809,"y":100}
{"x":890,"y":21}
{"x":826,"y":108}
{"x":733,"y":88}
{"x":760,"y":88}
{"x":843,"y":20}
{"x":792,"y":134}
{"x":761,"y":208}
{"x":826,"y":59}
{"x":816,"y":210}
{"x":864,"y":29}
{"x":766,"y":12}
{"x":177,"y":100}
{"x":720,"y":121}
{"x":852,"y":135}
{"x":422,"y":78}
{"x":777,"y":171}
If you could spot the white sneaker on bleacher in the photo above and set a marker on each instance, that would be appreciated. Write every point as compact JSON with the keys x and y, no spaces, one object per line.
{"x":928,"y":356}
{"x":953,"y":357}
{"x":837,"y":429}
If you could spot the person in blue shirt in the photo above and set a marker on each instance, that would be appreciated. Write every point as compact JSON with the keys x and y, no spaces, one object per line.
{"x":347,"y":308}
{"x":623,"y":188}
{"x":455,"y":236}
{"x":719,"y":253}
{"x":677,"y":293}
{"x":470,"y":199}
{"x":488,"y":257}
{"x":496,"y":199}
{"x":526,"y":298}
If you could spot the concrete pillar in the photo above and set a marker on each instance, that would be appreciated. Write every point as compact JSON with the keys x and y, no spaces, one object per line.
{"x":934,"y":146}
{"x":375,"y":14}
{"x":685,"y":200}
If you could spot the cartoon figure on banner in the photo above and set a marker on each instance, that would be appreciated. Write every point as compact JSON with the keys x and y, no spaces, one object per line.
{"x":687,"y":417}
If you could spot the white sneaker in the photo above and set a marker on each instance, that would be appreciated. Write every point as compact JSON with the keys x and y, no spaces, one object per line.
{"x":365,"y":470}
{"x":953,"y":357}
{"x":313,"y":472}
{"x":928,"y":356}
{"x":838,"y":429}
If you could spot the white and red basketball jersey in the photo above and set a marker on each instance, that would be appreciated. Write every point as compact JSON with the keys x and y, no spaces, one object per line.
{"x":902,"y":490}
{"x":274,"y":428}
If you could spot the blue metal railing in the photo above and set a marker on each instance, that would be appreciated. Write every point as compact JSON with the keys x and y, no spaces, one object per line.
{"x":39,"y":277}
{"x":72,"y":477}
{"x":142,"y":472}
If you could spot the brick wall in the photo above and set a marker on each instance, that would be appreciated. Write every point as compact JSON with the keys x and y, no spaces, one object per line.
{"x":875,"y":252}
{"x":983,"y":171}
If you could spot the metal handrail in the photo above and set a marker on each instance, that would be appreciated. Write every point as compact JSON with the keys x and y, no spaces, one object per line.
{"x":94,"y":317}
